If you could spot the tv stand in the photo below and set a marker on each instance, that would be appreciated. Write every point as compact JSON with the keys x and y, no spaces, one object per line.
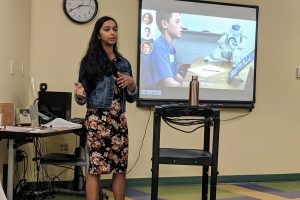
{"x":198,"y":157}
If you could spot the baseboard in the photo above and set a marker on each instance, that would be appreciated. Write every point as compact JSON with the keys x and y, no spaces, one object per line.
{"x":135,"y":182}
{"x":221,"y":179}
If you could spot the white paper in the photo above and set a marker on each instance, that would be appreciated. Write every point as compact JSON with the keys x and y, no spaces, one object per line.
{"x":207,"y":70}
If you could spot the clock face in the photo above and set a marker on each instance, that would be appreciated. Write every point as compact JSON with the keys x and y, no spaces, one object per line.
{"x":80,"y":11}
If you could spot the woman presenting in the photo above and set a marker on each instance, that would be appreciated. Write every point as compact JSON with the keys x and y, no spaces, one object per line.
{"x":105,"y":83}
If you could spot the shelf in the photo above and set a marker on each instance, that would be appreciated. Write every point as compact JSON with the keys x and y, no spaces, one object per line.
{"x":61,"y":159}
{"x":184,"y":157}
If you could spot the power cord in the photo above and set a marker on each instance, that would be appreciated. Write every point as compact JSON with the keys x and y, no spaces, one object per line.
{"x":188,"y":122}
{"x":236,"y":117}
{"x":139,"y":155}
{"x":35,"y":101}
{"x":20,"y":189}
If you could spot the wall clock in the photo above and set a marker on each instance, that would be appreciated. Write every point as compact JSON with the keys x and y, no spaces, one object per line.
{"x":80,"y":11}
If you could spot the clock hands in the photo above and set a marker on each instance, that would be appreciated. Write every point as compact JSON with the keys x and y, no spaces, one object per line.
{"x":71,"y":9}
{"x":86,"y":5}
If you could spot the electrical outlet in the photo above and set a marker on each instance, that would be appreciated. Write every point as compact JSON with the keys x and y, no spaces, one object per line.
{"x":63,"y":147}
{"x":298,"y":72}
{"x":12,"y":70}
{"x":22,"y":69}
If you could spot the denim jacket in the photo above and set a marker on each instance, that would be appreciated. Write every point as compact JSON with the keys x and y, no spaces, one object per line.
{"x":102,"y":95}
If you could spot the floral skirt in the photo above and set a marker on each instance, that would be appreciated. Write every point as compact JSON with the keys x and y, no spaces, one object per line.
{"x":107,"y":139}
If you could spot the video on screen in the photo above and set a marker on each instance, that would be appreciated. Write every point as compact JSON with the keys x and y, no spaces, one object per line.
{"x":216,"y":43}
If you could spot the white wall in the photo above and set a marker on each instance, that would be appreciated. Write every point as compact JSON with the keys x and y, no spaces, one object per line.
{"x":14,"y":45}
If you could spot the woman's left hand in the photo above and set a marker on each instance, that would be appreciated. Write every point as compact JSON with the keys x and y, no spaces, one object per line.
{"x":124,"y":80}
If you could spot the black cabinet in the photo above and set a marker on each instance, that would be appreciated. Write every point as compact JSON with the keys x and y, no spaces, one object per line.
{"x":207,"y":157}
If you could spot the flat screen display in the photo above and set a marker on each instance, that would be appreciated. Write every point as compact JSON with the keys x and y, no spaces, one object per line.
{"x":211,"y":40}
{"x":55,"y":105}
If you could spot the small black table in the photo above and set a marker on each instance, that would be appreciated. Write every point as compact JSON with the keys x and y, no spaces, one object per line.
{"x":200,"y":157}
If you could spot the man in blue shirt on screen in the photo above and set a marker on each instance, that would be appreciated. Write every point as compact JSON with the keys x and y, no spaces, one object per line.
{"x":160,"y":65}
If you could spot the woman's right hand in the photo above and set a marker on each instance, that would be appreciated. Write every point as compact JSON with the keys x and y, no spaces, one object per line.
{"x":79,"y":90}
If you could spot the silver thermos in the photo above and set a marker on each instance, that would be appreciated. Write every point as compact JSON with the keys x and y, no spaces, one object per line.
{"x":194,"y":92}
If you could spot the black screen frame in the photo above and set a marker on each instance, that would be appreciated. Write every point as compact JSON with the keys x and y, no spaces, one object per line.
{"x":55,"y":105}
{"x":151,"y":102}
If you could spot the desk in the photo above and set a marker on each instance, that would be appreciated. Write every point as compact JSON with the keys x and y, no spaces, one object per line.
{"x":217,"y":80}
{"x":24,"y":133}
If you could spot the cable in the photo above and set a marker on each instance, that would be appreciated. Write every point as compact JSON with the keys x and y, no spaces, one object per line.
{"x":20,"y":190}
{"x":182,"y":129}
{"x":36,"y":100}
{"x":37,"y":147}
{"x":188,"y":122}
{"x":141,"y":143}
{"x":184,"y":122}
{"x":239,"y":116}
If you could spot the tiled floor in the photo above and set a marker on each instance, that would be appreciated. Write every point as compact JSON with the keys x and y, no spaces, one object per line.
{"x":237,"y":191}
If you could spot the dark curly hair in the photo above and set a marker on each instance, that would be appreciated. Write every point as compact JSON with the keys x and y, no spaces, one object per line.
{"x":96,"y":63}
